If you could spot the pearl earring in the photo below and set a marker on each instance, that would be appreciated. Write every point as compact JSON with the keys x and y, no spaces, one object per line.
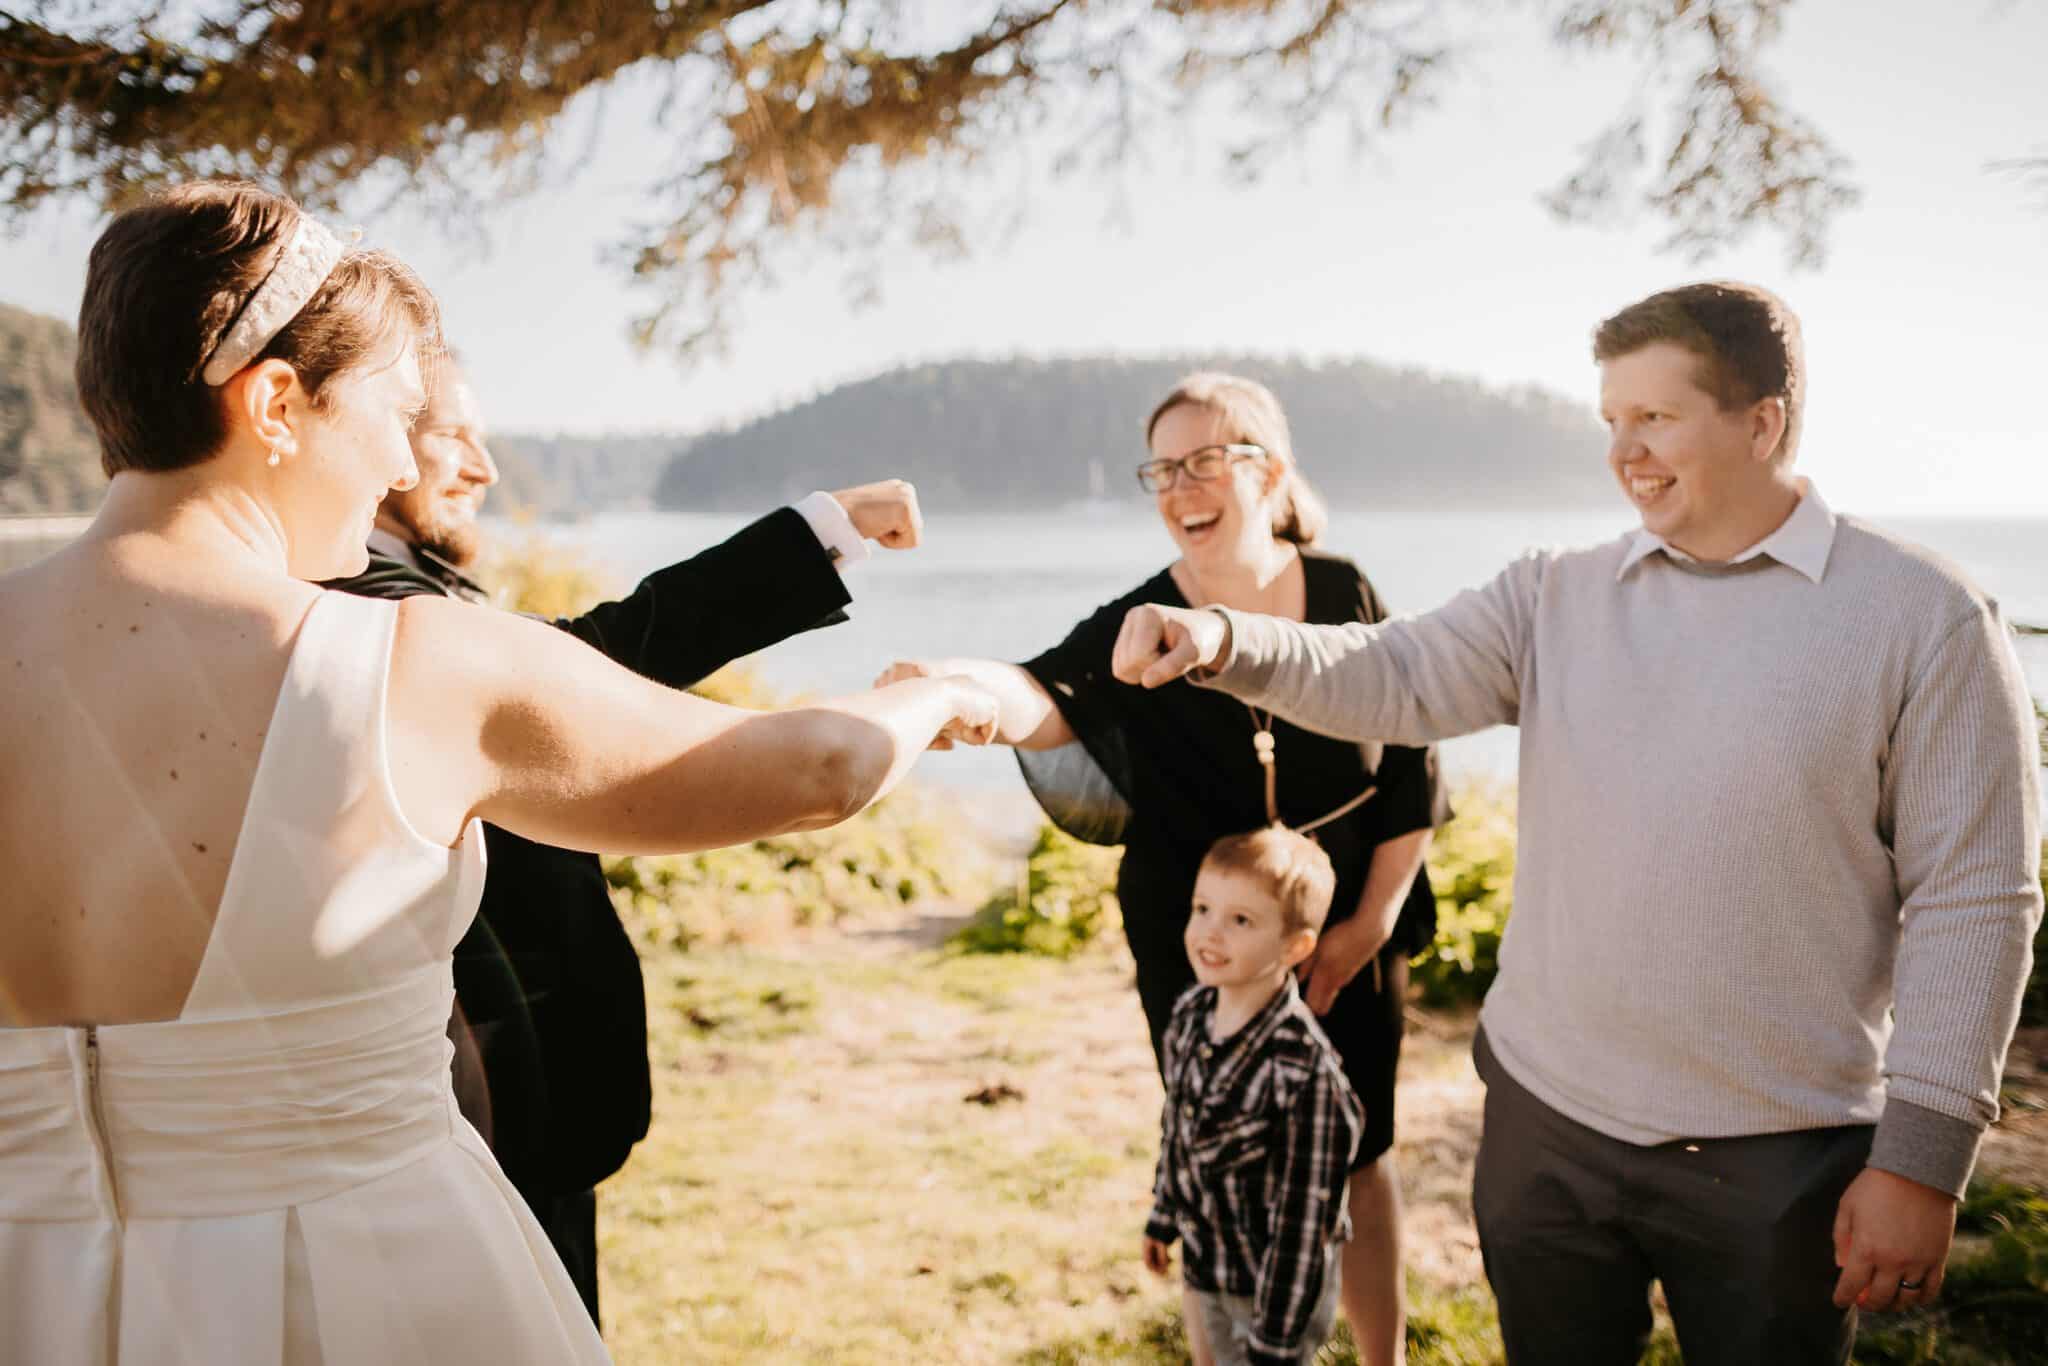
{"x":274,"y":458}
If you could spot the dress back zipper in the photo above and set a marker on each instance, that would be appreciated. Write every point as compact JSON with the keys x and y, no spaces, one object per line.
{"x":96,"y":1120}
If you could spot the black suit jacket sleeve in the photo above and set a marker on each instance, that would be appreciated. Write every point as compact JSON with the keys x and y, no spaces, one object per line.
{"x":769,"y":581}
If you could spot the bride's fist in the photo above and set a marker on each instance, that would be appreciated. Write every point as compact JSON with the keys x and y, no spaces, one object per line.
{"x":975,"y":713}
{"x":1159,"y":644}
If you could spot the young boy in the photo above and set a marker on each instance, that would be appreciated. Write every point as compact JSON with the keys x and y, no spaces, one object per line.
{"x":1259,"y":1126}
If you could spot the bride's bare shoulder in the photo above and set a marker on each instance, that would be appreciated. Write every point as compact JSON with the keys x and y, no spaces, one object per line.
{"x":76,"y":604}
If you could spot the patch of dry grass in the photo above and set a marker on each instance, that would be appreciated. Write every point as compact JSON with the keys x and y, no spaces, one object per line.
{"x":819,"y":1186}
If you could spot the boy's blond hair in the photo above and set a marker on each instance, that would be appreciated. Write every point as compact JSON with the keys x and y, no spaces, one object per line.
{"x":1292,"y":869}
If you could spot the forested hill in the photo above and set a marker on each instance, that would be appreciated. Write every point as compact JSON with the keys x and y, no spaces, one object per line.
{"x":1041,"y":433}
{"x":49,"y":459}
{"x":972,"y":435}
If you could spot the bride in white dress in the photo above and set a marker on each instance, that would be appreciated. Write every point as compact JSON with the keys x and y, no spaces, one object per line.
{"x":239,"y":835}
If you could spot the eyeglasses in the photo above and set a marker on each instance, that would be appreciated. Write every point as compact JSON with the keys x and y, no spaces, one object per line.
{"x":1206,"y":463}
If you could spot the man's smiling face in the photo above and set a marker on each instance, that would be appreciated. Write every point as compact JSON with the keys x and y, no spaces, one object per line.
{"x":439,"y":513}
{"x":1689,"y":466}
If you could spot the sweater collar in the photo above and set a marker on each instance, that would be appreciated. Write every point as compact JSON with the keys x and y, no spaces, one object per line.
{"x":1803,"y":542}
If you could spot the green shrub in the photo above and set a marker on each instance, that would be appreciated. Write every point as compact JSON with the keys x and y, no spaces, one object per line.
{"x":544,"y":580}
{"x":1064,"y":898}
{"x":904,"y":850}
{"x":1472,"y":869}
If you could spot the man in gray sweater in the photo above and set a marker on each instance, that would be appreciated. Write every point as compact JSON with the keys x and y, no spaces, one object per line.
{"x":1778,"y":871}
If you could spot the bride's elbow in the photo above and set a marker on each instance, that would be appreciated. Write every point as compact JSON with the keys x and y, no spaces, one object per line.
{"x":844,"y":769}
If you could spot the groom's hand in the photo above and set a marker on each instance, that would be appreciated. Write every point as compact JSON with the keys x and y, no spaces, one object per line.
{"x":886,"y":513}
{"x":1159,"y":644}
{"x":1892,"y":1238}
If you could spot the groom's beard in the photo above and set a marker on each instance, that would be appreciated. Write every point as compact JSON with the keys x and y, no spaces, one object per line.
{"x":453,"y":538}
{"x":459,"y":545}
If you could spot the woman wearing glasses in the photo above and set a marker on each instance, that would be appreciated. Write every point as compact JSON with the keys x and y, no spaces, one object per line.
{"x":1167,"y":772}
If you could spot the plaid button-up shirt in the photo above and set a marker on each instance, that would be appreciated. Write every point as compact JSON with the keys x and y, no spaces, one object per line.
{"x":1255,"y":1146}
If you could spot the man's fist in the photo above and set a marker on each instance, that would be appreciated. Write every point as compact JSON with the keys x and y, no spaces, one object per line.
{"x":886,"y":512}
{"x":1159,"y":644}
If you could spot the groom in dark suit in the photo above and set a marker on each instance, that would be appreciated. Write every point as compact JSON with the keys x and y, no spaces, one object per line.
{"x":550,"y":1026}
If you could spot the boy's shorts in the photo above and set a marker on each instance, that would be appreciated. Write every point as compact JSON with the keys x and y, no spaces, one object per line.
{"x":1227,"y":1320}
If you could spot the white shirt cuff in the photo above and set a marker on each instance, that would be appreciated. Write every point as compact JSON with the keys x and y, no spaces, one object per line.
{"x":833,"y":528}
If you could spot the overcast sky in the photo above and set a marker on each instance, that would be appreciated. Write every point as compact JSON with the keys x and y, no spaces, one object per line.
{"x":1924,"y":329}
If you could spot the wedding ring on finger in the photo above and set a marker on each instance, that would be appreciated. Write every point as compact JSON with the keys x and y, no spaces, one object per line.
{"x":1912,"y":1285}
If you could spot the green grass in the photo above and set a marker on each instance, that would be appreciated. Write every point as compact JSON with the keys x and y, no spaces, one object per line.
{"x":820,"y":1186}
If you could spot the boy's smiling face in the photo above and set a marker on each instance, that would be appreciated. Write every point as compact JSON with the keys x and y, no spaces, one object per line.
{"x":1236,"y":934}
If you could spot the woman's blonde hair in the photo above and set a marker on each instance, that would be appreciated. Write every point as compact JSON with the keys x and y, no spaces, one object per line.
{"x":1251,"y":414}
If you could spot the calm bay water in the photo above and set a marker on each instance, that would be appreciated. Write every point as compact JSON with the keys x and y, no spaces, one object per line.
{"x":1007,"y":586}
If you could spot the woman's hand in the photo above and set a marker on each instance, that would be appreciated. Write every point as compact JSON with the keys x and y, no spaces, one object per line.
{"x":1347,"y":946}
{"x":904,"y":670}
{"x":1159,"y":644}
{"x":975,"y":715}
{"x":1341,"y":954}
{"x":1025,"y":715}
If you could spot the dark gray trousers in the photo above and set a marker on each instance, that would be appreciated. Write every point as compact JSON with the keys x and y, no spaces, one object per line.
{"x":1574,"y":1225}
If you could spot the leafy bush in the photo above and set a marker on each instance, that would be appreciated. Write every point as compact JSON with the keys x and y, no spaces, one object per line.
{"x":545,"y":580}
{"x":1064,"y":898}
{"x":1472,"y":869}
{"x":901,"y":851}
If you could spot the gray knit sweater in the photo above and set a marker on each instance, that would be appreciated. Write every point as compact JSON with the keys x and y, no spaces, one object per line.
{"x":1779,"y":847}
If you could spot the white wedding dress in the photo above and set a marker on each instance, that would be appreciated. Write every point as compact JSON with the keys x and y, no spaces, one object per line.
{"x":280,"y":1174}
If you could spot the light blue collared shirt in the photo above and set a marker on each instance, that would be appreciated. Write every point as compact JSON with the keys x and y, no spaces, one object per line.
{"x":1801,"y":542}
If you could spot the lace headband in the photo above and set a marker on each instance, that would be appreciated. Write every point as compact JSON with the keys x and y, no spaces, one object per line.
{"x":302,"y":267}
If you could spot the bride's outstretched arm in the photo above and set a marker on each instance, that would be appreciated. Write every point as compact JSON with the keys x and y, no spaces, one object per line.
{"x":495,"y":716}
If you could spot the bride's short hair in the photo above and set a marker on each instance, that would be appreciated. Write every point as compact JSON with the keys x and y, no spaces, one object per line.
{"x":167,"y":279}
